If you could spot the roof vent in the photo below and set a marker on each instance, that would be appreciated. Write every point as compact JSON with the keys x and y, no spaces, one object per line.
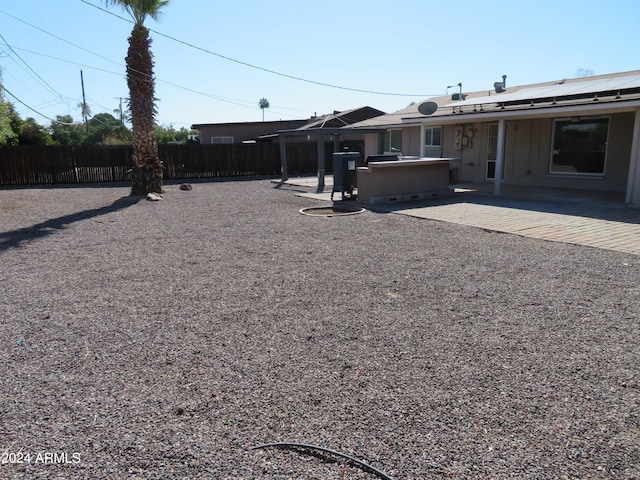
{"x":501,"y":86}
{"x":457,"y":96}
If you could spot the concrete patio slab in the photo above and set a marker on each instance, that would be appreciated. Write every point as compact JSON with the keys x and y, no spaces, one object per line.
{"x":591,"y":219}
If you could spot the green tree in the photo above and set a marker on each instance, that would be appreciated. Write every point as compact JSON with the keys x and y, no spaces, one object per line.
{"x":64,"y":131}
{"x":8,"y":134}
{"x":185,"y":135}
{"x":263,"y":103}
{"x":16,"y":124}
{"x":165,"y":134}
{"x":105,"y":129}
{"x":168,"y":134}
{"x":32,"y":133}
{"x":147,"y":172}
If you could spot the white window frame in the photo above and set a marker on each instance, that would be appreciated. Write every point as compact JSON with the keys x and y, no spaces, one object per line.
{"x":222,"y":140}
{"x":428,"y":137}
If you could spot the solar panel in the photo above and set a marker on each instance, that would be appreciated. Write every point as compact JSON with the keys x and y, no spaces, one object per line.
{"x":559,"y":90}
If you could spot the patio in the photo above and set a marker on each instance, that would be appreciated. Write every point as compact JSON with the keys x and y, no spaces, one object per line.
{"x":594,"y":219}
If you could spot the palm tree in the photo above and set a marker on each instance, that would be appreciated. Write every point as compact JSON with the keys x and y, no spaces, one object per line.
{"x":147,"y":172}
{"x":86,"y":113}
{"x":263,"y":103}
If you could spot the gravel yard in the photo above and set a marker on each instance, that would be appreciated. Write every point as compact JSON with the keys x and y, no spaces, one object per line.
{"x":164,"y":340}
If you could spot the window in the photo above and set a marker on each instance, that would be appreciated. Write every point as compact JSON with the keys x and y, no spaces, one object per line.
{"x":579,"y":146}
{"x":433,"y":136}
{"x":492,"y":142}
{"x":219,"y":140}
{"x":393,"y":141}
{"x":492,"y":153}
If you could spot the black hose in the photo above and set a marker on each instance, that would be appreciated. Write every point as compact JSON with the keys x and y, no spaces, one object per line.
{"x":364,"y":466}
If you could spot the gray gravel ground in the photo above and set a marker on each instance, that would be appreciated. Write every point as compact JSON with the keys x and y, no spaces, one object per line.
{"x":153,"y":340}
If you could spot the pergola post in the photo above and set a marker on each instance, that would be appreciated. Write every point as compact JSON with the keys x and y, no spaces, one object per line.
{"x":320,"y":164}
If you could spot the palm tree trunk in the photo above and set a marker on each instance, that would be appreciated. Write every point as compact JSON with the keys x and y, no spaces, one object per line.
{"x":148,"y":168}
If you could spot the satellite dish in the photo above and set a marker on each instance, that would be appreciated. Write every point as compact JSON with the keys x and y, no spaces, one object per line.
{"x":427,"y":108}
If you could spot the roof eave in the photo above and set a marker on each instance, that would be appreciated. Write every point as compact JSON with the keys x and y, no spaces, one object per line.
{"x":526,"y":112}
{"x":329,"y":131}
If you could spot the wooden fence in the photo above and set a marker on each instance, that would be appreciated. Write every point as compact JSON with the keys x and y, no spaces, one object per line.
{"x":33,"y":165}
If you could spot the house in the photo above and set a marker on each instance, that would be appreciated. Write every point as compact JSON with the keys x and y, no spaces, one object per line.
{"x":249,"y":132}
{"x":581,"y":133}
{"x":218,"y":133}
{"x":333,"y":129}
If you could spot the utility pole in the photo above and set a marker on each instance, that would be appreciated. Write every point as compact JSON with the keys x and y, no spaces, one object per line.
{"x":121,"y":113}
{"x":84,"y":104}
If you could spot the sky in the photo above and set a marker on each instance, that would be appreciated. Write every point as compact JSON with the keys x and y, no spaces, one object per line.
{"x":215,"y":60}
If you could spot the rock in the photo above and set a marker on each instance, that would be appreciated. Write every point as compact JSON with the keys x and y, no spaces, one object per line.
{"x":154,"y":197}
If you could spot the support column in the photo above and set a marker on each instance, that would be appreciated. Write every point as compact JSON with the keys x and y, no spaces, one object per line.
{"x":422,"y":140}
{"x":283,"y":157}
{"x":497,"y":185}
{"x":633,"y":181}
{"x":320,"y":164}
{"x":381,"y":142}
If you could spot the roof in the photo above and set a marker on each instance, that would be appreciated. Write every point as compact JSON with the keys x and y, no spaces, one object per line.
{"x":589,"y":94}
{"x":269,"y":123}
{"x":326,"y":124}
{"x":335,"y":123}
{"x":345,"y":118}
{"x":563,"y":90}
{"x":396,"y":118}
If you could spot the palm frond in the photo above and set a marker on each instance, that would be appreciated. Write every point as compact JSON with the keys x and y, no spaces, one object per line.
{"x":140,"y":9}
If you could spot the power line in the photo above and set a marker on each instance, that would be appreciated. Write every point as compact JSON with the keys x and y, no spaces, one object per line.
{"x":60,"y":38}
{"x":70,"y":61}
{"x":38,"y":77}
{"x":34,"y":110}
{"x":273,"y":72}
{"x":245,"y":103}
{"x":233,"y":101}
{"x":59,"y":96}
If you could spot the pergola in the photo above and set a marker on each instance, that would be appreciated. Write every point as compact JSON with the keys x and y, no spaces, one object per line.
{"x":320,"y":134}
